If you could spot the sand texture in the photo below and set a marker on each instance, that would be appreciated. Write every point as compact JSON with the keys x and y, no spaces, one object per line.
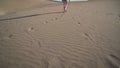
{"x":42,"y":36}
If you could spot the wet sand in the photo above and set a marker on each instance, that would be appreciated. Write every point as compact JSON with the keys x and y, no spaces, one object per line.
{"x":86,"y":36}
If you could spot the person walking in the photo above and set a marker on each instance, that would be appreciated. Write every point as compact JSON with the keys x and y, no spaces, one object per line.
{"x":65,"y":5}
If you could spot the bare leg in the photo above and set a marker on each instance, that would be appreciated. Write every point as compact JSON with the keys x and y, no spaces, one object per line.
{"x":65,"y":5}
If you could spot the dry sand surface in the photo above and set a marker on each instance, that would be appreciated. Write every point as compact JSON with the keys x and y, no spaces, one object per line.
{"x":11,"y":6}
{"x":41,"y":36}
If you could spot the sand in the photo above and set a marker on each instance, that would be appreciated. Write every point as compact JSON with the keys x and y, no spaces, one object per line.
{"x":41,"y":36}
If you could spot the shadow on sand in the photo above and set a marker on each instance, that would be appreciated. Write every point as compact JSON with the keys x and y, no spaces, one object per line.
{"x":26,"y":16}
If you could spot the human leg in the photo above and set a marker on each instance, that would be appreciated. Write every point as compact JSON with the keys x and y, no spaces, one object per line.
{"x":65,"y":5}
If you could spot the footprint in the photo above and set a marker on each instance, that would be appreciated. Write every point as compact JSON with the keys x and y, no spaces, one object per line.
{"x":30,"y":29}
{"x":10,"y":36}
{"x":79,"y":23}
{"x":56,"y":18}
{"x":45,"y":22}
{"x":7,"y":37}
{"x":113,"y":61}
{"x":55,"y":63}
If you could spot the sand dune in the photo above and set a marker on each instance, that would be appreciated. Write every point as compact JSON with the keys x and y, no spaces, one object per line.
{"x":86,"y":36}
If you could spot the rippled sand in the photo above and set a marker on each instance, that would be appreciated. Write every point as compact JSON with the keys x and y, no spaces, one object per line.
{"x":10,"y":6}
{"x":86,"y":36}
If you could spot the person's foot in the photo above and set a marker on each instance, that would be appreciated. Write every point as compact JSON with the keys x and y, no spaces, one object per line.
{"x":65,"y":9}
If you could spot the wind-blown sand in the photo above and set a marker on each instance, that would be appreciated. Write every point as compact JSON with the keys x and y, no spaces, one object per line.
{"x":41,"y":36}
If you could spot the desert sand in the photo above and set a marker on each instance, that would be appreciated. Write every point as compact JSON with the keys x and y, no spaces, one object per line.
{"x":40,"y":35}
